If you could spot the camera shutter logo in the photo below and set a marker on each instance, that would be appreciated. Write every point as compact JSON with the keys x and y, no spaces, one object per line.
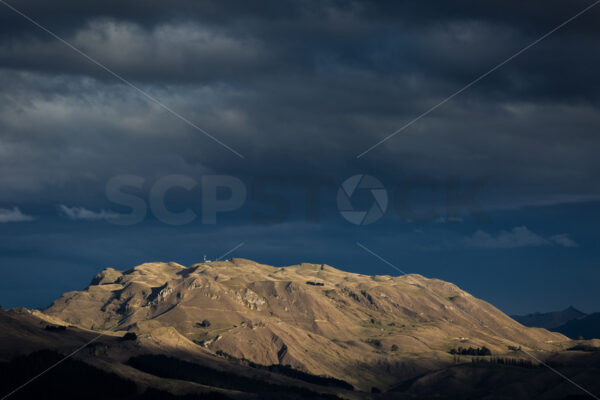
{"x":362,"y":182}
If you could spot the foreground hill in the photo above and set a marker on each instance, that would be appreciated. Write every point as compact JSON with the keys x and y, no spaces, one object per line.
{"x":550,"y":320}
{"x":240,"y":329}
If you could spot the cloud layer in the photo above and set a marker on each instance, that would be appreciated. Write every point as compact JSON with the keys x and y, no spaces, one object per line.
{"x":299,"y":88}
{"x":81,"y":213}
{"x":13,"y":215}
{"x":519,"y":236}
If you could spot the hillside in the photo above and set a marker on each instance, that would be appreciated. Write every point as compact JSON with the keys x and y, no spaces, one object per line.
{"x":315,"y":318}
{"x":242,"y":330}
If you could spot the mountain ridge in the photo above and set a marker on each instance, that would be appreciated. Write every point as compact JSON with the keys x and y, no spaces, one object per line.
{"x":551,"y":319}
{"x":313,"y":317}
{"x":239,"y":329}
{"x":587,"y":327}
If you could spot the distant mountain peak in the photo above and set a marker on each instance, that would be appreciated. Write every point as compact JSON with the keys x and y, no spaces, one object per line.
{"x":550,"y":320}
{"x":571,"y":308}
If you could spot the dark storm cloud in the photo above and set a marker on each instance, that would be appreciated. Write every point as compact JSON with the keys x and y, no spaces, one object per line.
{"x":238,"y":42}
{"x":298,"y":88}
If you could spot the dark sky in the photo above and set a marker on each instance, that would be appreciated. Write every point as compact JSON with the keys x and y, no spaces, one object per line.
{"x":496,"y":190}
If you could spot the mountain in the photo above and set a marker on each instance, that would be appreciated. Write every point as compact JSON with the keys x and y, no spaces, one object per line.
{"x":587,"y":327}
{"x":241,"y":329}
{"x":549,"y":320}
{"x":310,"y":316}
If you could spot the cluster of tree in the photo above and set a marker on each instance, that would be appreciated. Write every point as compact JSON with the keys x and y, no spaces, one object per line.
{"x":292,"y":373}
{"x":472,"y":351}
{"x":174,"y":368}
{"x":204,"y":324}
{"x":513,"y":362}
{"x":129,"y":336}
{"x":306,"y":377}
{"x":315,"y":283}
{"x":583,"y":347}
{"x":55,"y":328}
